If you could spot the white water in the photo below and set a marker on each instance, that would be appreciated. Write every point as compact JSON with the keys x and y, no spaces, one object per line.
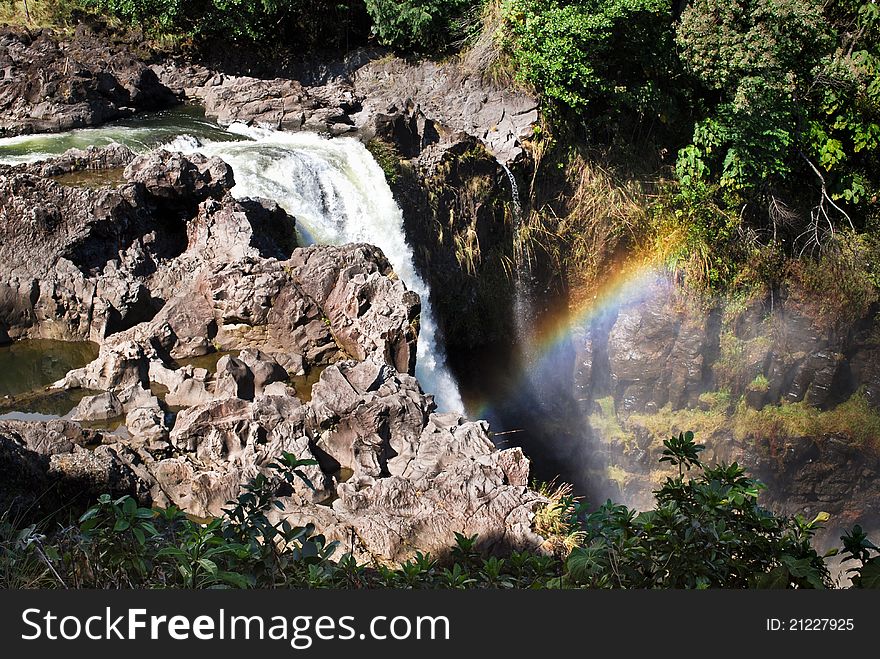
{"x":523,"y":307}
{"x":514,"y":193}
{"x":338,"y":192}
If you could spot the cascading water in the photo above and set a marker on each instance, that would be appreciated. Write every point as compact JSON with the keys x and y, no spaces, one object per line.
{"x":339,"y":192}
{"x":523,"y":308}
{"x":514,"y":193}
{"x":334,"y":188}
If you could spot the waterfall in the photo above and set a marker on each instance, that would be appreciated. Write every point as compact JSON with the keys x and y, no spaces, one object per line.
{"x":334,"y":188}
{"x":523,"y":307}
{"x":514,"y":193}
{"x":337,"y":190}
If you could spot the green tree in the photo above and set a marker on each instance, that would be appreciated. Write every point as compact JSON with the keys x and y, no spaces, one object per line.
{"x":597,"y":56}
{"x":792,"y":96}
{"x":425,"y":26}
{"x":267,"y":22}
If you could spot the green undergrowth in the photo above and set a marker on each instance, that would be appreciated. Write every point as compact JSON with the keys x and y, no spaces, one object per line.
{"x":385,"y":153}
{"x":854,"y":418}
{"x":705,"y":531}
{"x":39,"y":13}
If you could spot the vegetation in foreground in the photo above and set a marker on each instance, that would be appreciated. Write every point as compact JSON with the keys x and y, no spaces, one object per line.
{"x":706,"y":531}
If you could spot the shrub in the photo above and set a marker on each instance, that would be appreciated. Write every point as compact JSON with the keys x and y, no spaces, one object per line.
{"x":596,"y":54}
{"x":705,"y":532}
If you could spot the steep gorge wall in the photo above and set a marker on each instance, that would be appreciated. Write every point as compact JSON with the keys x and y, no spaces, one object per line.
{"x":761,"y":383}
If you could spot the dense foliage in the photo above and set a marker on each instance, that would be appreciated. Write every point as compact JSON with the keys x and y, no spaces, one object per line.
{"x":706,"y":531}
{"x":772,"y":106}
{"x":794,"y":117}
{"x":321,"y":24}
{"x":426,"y":26}
{"x":594,"y":56}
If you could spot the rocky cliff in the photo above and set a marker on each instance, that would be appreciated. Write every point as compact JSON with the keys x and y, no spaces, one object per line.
{"x":446,"y":130}
{"x":761,"y":382}
{"x":444,"y":133}
{"x":52,"y":83}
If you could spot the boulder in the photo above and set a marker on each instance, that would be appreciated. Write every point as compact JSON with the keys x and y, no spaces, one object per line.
{"x":234,"y":379}
{"x":100,"y":407}
{"x":175,"y":180}
{"x":263,"y":368}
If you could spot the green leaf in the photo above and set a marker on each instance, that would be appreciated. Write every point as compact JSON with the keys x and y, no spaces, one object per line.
{"x":233,"y":579}
{"x":778,"y":579}
{"x":89,"y":514}
{"x":139,"y":535}
{"x":208,"y":565}
{"x":869,"y":575}
{"x":150,"y":528}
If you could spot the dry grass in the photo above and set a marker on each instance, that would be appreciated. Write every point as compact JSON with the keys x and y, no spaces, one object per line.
{"x":532,"y":235}
{"x":854,"y":418}
{"x":838,"y":288}
{"x":666,"y":421}
{"x":36,"y":13}
{"x":553,"y":521}
{"x":485,"y":56}
{"x":467,"y":251}
{"x":601,"y":213}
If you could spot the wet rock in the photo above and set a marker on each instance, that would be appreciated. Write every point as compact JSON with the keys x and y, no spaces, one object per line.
{"x":448,"y":95}
{"x":112,"y":156}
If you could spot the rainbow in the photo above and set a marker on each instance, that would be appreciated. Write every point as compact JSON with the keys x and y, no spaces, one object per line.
{"x":625,"y":285}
